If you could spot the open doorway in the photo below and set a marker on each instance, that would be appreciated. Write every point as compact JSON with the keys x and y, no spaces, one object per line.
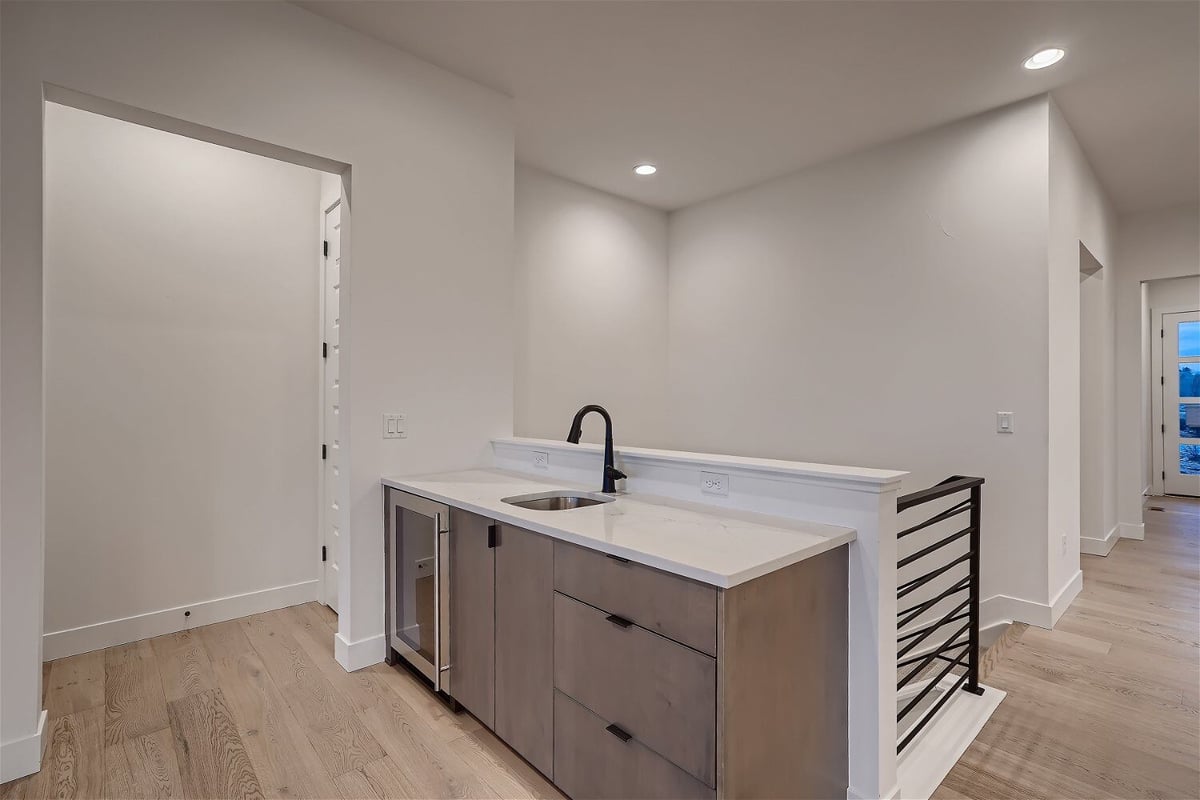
{"x":182,"y":371}
{"x":1174,"y":312}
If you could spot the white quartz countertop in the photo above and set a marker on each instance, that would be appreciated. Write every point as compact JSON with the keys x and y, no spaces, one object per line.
{"x":713,"y":545}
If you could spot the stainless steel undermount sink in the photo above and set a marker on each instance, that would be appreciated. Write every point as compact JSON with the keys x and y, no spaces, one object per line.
{"x":556,"y":501}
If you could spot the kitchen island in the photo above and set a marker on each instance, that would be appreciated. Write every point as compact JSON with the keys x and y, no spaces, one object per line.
{"x":640,"y":646}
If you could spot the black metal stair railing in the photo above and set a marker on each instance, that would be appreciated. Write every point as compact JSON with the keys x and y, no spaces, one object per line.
{"x":953,"y":606}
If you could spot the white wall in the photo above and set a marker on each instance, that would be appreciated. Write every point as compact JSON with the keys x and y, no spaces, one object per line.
{"x":1151,"y":245}
{"x":878,"y":310}
{"x":1079,"y":213}
{"x":430,"y":253}
{"x":591,"y":284}
{"x":1162,"y":296}
{"x":181,"y":377}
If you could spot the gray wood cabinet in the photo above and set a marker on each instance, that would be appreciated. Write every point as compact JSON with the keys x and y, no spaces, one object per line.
{"x":525,"y":645}
{"x":617,"y":680}
{"x":473,"y":615}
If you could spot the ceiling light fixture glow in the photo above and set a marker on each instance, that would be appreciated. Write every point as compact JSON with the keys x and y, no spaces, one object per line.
{"x":645,"y":169}
{"x":1045,"y":58}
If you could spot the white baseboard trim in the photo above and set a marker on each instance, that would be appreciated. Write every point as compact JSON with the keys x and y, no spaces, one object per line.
{"x":357,"y":655}
{"x":1089,"y":545}
{"x":1132,"y":530}
{"x":86,"y":638}
{"x":22,"y":757}
{"x":1066,"y":595}
{"x":853,"y":794}
{"x":1000,"y":609}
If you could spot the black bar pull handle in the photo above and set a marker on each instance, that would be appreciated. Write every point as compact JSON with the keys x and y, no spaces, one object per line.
{"x":493,"y":534}
{"x":620,"y":622}
{"x":616,"y":731}
{"x":618,"y":559}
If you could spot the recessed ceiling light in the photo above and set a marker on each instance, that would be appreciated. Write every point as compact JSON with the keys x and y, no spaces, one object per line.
{"x":645,"y":169}
{"x":1045,"y":58}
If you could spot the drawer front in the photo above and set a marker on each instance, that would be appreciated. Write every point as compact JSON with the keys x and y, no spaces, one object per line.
{"x":661,"y":692}
{"x":590,"y":762}
{"x":676,"y":607}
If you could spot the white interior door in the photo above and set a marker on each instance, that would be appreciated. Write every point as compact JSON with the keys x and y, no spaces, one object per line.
{"x":1181,"y":403}
{"x":331,"y":504}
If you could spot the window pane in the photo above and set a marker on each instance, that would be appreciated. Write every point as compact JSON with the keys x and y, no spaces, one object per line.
{"x":1189,"y":380}
{"x":1189,"y":420}
{"x":1189,"y":459}
{"x":1189,"y":339}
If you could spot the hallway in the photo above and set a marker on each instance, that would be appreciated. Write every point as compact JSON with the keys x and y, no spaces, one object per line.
{"x":1106,"y":704}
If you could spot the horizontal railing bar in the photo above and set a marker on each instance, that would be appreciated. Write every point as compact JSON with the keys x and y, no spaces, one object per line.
{"x":927,"y":658}
{"x":921,"y":694}
{"x":943,"y":621}
{"x":911,"y":634}
{"x":917,"y":583}
{"x":950,"y":644}
{"x":924,"y":551}
{"x":965,"y":505}
{"x":917,"y":611}
{"x":908,"y":737}
{"x":955,"y":483}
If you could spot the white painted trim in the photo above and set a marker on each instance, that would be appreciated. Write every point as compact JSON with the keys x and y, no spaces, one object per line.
{"x":1066,"y":595}
{"x":354,"y":656}
{"x":851,"y":794}
{"x":931,"y":755}
{"x":58,"y":644}
{"x":22,"y":757}
{"x":1132,"y":530}
{"x":843,"y":477}
{"x":1100,"y":547}
{"x":1000,"y":609}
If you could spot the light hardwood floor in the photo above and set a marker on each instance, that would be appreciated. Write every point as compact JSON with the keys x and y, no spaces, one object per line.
{"x":1106,"y":705}
{"x":253,"y":708}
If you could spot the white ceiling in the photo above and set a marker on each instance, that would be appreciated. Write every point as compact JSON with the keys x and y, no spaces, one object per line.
{"x":722,"y":95}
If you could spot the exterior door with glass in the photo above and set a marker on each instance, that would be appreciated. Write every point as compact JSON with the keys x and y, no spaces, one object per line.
{"x":1181,"y":403}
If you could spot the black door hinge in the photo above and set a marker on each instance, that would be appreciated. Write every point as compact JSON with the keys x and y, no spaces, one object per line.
{"x":493,"y":534}
{"x":325,"y":248}
{"x":323,"y":453}
{"x":323,"y":556}
{"x":324,"y":349}
{"x":1164,"y":428}
{"x":1161,"y":335}
{"x":1164,"y":474}
{"x":1162,"y":381}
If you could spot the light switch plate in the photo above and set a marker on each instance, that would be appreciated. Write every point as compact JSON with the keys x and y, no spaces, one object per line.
{"x":1004,"y":422}
{"x":395,"y":426}
{"x":714,"y":483}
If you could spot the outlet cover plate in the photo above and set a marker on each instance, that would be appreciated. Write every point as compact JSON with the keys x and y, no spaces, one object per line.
{"x":716,"y":483}
{"x":541,"y":460}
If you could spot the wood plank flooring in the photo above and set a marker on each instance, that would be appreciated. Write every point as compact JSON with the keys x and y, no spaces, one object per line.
{"x":1106,"y":705}
{"x":258,"y":708}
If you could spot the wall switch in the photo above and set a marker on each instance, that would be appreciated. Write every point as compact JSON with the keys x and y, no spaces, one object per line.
{"x":1004,"y":422}
{"x":714,"y":483}
{"x":541,"y":460}
{"x":395,"y":426}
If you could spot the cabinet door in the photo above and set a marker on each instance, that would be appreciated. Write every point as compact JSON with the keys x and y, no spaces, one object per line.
{"x":525,"y":645}
{"x":472,"y":615}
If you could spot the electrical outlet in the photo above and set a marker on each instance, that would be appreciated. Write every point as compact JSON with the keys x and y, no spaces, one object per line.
{"x":395,"y":426}
{"x":714,"y":483}
{"x":541,"y":460}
